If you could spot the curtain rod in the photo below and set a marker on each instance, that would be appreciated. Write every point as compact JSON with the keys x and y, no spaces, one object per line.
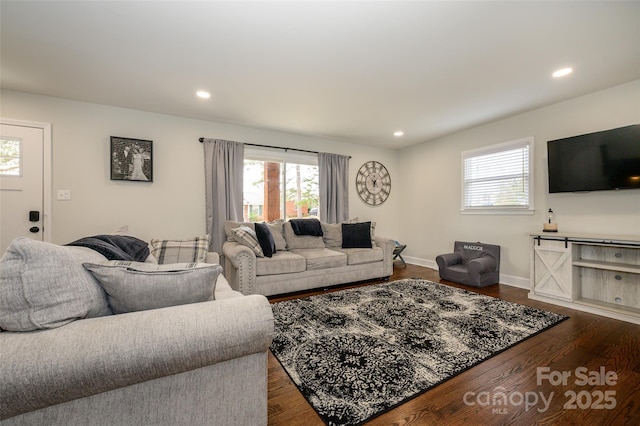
{"x":275,"y":147}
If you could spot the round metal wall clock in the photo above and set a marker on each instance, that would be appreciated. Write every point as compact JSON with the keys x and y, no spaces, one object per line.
{"x":373,"y":183}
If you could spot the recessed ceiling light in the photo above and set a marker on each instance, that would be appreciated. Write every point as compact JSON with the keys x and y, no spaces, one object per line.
{"x":202,"y":94}
{"x":562,"y":72}
{"x":398,"y":133}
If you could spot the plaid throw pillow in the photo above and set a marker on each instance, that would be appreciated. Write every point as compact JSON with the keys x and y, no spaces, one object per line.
{"x":247,"y":237}
{"x":181,"y":251}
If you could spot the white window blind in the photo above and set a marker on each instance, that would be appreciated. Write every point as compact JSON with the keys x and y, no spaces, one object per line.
{"x":498,"y":178}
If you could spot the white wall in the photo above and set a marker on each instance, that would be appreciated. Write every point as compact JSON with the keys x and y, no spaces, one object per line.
{"x":173,"y":205}
{"x":430,"y":216}
{"x":423,"y":210}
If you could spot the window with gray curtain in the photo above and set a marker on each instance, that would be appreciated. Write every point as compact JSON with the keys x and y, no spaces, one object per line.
{"x":223,"y":185}
{"x":333,"y":170}
{"x":279,"y":184}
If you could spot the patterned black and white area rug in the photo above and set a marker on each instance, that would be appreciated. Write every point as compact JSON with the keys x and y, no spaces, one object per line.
{"x":357,"y":353}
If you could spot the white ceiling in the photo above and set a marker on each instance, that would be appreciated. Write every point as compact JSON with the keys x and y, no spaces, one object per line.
{"x":354,"y":71}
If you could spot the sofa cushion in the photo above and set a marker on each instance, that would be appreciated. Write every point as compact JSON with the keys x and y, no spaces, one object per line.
{"x":276,"y":228}
{"x":300,"y":241}
{"x":332,"y":234}
{"x":247,"y":237}
{"x":43,"y":285}
{"x":177,"y":251}
{"x":136,"y":286}
{"x":358,"y":256}
{"x":282,"y":262}
{"x":322,"y":258}
{"x":229,"y":225}
{"x":356,"y":235}
{"x":265,"y":239}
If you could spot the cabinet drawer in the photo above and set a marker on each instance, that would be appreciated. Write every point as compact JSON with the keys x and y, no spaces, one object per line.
{"x":624,"y":255}
{"x":616,"y":288}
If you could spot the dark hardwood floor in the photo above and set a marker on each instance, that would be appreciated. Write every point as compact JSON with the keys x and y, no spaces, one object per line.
{"x":583,"y":341}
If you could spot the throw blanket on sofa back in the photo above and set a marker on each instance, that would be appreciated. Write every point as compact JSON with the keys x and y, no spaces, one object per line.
{"x":116,"y":247}
{"x":306,"y":227}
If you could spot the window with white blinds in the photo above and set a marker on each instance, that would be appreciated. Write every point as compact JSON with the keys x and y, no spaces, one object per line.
{"x":498,"y":178}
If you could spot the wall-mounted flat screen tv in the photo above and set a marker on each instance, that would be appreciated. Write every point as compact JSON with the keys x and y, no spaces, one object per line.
{"x":607,"y":160}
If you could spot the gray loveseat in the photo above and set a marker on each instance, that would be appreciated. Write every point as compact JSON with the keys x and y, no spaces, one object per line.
{"x":302,"y":262}
{"x":192,"y":364}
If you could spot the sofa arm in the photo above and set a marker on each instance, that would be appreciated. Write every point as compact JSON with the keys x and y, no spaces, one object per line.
{"x":448,"y":259}
{"x":90,"y":356}
{"x":482,"y":264}
{"x":239,"y":267}
{"x":213,"y":257}
{"x":387,"y":245}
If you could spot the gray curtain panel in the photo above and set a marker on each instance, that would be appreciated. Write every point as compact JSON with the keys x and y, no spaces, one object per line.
{"x":334,"y":187}
{"x":224,"y":164}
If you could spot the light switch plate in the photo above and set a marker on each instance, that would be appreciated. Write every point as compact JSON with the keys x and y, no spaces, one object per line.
{"x":64,"y":194}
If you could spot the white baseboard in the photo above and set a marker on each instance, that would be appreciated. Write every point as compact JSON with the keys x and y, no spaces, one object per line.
{"x":421,"y":262}
{"x":509,"y":280}
{"x":514,"y":281}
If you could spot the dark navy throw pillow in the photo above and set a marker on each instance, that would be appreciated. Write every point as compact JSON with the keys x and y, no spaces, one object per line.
{"x":356,"y":235}
{"x":265,"y":239}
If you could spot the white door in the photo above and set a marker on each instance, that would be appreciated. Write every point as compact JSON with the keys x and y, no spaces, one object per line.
{"x":22,"y":182}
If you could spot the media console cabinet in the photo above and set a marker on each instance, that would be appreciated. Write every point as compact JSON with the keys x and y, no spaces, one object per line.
{"x":599,"y":274}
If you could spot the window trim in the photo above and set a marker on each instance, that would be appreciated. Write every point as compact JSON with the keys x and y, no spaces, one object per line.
{"x":492,"y":149}
{"x":264,"y":154}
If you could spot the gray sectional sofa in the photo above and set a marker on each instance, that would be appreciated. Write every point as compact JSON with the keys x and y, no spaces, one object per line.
{"x":192,"y":364}
{"x":302,"y":262}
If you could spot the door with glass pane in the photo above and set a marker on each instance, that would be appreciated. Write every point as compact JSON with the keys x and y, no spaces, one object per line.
{"x":21,"y":183}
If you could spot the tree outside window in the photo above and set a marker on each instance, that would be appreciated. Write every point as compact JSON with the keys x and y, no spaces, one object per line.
{"x":10,"y":157}
{"x":279,"y":189}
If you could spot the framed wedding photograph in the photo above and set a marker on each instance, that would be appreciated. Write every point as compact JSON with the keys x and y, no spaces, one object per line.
{"x":131,"y":159}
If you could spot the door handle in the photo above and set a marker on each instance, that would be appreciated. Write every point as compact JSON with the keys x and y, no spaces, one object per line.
{"x":34,"y":229}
